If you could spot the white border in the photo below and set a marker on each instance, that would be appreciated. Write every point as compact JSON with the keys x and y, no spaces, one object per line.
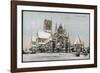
{"x":55,"y":63}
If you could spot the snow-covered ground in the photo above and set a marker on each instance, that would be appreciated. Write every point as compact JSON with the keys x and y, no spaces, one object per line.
{"x":52,"y":56}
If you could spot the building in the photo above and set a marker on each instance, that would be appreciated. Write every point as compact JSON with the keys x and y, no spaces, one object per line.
{"x":78,"y":45}
{"x":48,"y":41}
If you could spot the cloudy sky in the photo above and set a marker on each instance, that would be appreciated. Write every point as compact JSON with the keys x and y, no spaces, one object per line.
{"x":75,"y":23}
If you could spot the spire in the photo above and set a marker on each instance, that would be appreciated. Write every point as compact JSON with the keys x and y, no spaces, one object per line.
{"x":64,"y":28}
{"x":68,"y":34}
{"x":37,"y":35}
{"x":79,"y":39}
{"x":56,"y":27}
{"x":68,"y":37}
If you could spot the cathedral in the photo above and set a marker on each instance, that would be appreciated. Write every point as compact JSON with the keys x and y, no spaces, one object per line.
{"x":51,"y":39}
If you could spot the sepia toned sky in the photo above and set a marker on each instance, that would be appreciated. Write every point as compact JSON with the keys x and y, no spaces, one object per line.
{"x":75,"y":24}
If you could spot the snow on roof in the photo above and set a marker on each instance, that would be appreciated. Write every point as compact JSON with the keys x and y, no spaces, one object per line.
{"x":43,"y":34}
{"x":77,"y":41}
{"x":33,"y":38}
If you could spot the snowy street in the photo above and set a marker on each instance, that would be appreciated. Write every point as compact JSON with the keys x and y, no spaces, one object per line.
{"x":52,"y":56}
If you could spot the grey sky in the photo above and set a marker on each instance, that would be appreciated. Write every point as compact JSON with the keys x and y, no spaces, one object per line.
{"x":75,"y":24}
